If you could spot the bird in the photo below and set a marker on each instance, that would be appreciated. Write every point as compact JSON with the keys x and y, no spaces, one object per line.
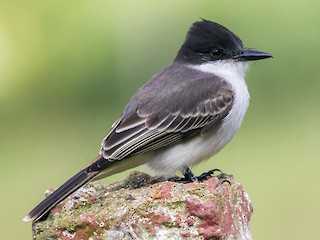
{"x":184,"y":114}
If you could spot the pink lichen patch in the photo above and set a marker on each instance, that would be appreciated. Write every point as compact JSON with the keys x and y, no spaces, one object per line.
{"x":154,"y":220}
{"x":228,"y":221}
{"x":212,"y":183}
{"x":185,"y":233}
{"x":120,"y":219}
{"x":158,"y":218}
{"x":191,"y":221}
{"x":209,"y":225}
{"x":208,"y":232}
{"x":136,"y":229}
{"x":151,"y":230}
{"x":165,"y":191}
{"x":191,"y":185}
{"x":177,"y":220}
{"x":88,"y":219}
{"x":89,"y":226}
{"x":84,"y":233}
{"x":91,"y":200}
{"x":203,"y":211}
{"x":55,"y":210}
{"x":226,"y":191}
{"x":148,"y":227}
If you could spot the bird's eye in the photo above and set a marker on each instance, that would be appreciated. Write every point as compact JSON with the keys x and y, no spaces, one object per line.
{"x":216,"y":53}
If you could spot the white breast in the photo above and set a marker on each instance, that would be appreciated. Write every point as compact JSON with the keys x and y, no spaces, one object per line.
{"x":232,"y":72}
{"x":203,"y":147}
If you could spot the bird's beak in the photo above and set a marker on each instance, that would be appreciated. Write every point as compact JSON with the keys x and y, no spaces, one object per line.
{"x":251,"y":55}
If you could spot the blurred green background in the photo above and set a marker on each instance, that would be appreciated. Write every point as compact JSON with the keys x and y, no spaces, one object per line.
{"x":67,"y":69}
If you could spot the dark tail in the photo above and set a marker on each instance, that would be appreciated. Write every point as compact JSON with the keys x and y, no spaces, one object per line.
{"x":60,"y":194}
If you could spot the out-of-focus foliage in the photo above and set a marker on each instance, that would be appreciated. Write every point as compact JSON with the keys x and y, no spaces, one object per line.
{"x":67,"y":69}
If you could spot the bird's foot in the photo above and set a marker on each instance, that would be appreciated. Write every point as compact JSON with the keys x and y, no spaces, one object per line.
{"x":190,"y":177}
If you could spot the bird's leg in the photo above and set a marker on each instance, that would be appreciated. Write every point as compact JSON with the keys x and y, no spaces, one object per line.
{"x":188,"y":175}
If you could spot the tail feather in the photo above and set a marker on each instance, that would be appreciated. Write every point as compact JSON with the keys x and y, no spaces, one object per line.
{"x":60,"y":194}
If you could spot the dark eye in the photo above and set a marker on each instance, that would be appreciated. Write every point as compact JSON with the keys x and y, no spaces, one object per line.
{"x":216,"y":53}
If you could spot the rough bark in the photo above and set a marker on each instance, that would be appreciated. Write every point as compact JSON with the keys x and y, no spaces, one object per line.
{"x":145,"y":207}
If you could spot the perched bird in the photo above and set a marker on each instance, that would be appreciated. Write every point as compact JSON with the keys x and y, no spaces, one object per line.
{"x":183,"y":115}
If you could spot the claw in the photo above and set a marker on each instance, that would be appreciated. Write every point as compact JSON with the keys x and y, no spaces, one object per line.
{"x":207,"y":175}
{"x":225,"y":180}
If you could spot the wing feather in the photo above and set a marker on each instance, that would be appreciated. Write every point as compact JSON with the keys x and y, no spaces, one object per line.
{"x":154,"y":134}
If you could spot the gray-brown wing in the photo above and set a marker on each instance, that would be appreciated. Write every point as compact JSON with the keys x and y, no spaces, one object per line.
{"x":143,"y":132}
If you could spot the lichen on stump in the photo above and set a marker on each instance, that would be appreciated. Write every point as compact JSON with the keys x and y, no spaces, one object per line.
{"x":145,"y":207}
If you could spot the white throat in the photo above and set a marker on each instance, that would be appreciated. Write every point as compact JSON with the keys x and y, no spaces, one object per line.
{"x":231,"y":71}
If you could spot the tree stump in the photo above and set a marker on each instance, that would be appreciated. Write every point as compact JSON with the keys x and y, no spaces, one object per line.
{"x":145,"y":207}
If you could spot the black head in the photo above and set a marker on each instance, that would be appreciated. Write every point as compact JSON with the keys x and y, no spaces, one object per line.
{"x":209,"y":41}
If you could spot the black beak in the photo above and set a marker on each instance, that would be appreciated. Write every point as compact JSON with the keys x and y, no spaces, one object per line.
{"x":251,"y":55}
